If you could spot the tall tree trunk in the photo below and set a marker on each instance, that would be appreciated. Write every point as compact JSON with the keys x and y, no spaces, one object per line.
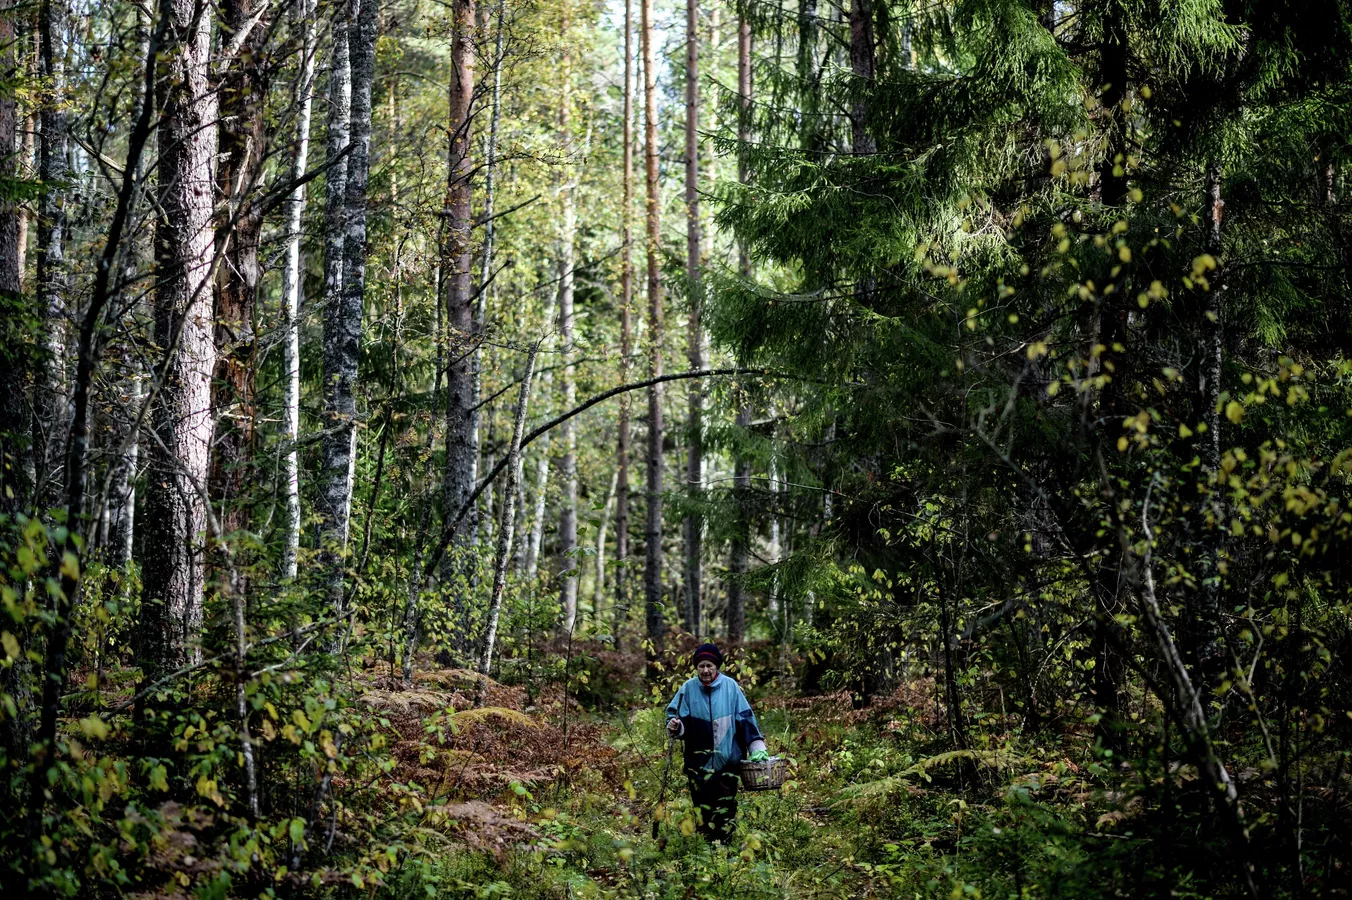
{"x":11,"y":275}
{"x":49,"y":392}
{"x":568,"y":563}
{"x":292,"y":278}
{"x":1203,"y":639}
{"x":240,"y":94}
{"x":863,"y":65}
{"x":342,"y":338}
{"x":743,"y":124}
{"x":694,"y":463}
{"x":741,"y":542}
{"x":652,"y":572}
{"x":507,"y":523}
{"x":461,"y":449}
{"x":335,"y":493}
{"x":490,"y":233}
{"x":808,"y":30}
{"x":14,"y":732}
{"x":599,"y":592}
{"x":626,"y":335}
{"x":176,"y":501}
{"x":537,"y":529}
{"x":121,"y":506}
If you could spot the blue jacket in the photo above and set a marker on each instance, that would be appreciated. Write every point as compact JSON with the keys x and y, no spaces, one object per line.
{"x":717,"y":724}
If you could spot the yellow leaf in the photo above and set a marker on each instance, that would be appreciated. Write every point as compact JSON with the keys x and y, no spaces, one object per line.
{"x":1234,"y":411}
{"x":70,"y":565}
{"x":93,"y":727}
{"x":11,"y":645}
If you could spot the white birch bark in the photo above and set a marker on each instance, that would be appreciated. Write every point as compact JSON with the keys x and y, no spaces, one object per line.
{"x":507,"y":525}
{"x":334,"y":500}
{"x":292,"y":274}
{"x":50,"y":414}
{"x":599,"y":591}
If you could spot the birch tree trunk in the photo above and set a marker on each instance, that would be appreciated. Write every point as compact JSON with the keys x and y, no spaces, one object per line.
{"x":457,"y":264}
{"x":490,"y":233}
{"x":626,"y":335}
{"x":335,"y":498}
{"x":292,"y":276}
{"x":180,"y":456}
{"x":599,"y":592}
{"x":49,"y":394}
{"x":11,"y":275}
{"x":694,"y":463}
{"x":342,"y":338}
{"x":568,"y":563}
{"x":508,"y":520}
{"x":652,"y":572}
{"x":537,"y":531}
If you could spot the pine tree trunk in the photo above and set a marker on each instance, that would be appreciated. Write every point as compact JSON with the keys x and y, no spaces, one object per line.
{"x":335,"y":496}
{"x":568,"y":563}
{"x":862,"y":64}
{"x":176,"y":501}
{"x":292,"y":278}
{"x":506,"y":526}
{"x":626,"y":335}
{"x":691,"y":526}
{"x":652,"y":572}
{"x":49,"y":392}
{"x":461,"y":449}
{"x":240,"y":94}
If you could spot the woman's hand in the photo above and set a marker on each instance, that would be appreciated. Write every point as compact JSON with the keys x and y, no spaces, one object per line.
{"x":673,"y":727}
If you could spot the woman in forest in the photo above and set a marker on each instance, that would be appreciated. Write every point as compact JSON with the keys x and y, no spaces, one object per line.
{"x":712,"y":715}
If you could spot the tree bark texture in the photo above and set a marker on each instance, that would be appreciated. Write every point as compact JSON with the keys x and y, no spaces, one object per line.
{"x":693,"y":524}
{"x":652,"y":572}
{"x":461,"y":449}
{"x":741,"y":544}
{"x":507,"y":523}
{"x":292,"y":277}
{"x":180,"y":454}
{"x":335,"y":495}
{"x":863,"y":65}
{"x":49,"y":390}
{"x":342,"y":338}
{"x":743,"y":124}
{"x":241,"y":133}
{"x":568,"y":563}
{"x":626,"y":335}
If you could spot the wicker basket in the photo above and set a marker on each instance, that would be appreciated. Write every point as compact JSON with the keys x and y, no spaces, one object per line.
{"x":766,"y":775}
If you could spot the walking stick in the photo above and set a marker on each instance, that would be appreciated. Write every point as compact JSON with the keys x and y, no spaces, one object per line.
{"x":666,"y":770}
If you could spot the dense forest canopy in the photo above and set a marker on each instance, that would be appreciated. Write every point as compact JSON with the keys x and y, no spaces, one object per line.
{"x":393,"y":394}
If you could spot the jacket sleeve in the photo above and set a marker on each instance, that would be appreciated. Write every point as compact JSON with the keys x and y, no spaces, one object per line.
{"x":749,"y":737}
{"x":674,"y":710}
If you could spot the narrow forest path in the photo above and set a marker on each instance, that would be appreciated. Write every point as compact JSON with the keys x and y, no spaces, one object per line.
{"x":833,"y":830}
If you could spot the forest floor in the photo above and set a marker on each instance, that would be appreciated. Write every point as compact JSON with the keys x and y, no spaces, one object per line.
{"x":545,"y":798}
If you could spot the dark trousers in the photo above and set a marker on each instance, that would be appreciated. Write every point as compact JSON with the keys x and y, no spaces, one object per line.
{"x":715,"y":800}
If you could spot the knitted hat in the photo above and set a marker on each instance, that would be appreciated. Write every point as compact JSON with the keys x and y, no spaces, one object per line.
{"x":709,"y":652}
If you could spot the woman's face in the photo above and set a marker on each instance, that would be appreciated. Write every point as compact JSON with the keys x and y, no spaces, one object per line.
{"x":707,"y":672}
